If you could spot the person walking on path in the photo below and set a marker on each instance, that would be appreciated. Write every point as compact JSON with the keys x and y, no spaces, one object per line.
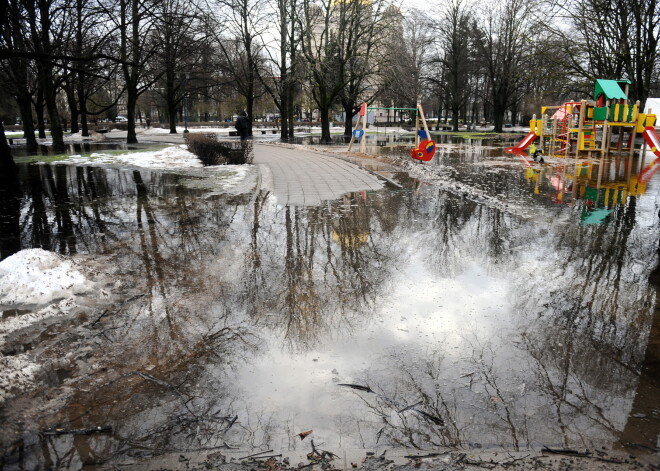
{"x":243,"y":125}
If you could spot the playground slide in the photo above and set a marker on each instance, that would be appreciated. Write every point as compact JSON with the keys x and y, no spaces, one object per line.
{"x":652,"y":139}
{"x":522,"y":145}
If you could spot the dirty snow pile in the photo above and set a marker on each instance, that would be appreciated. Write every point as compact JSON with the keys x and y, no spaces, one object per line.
{"x":28,"y":279}
{"x":167,"y":158}
{"x":36,"y":277}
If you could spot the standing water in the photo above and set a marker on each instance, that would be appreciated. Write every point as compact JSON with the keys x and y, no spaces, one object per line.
{"x":483,"y":303}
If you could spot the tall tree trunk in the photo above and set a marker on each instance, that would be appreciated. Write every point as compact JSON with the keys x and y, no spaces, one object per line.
{"x":50,"y":97}
{"x":498,"y":117}
{"x":171,"y":115}
{"x":325,"y":125}
{"x":70,"y":91}
{"x":24,"y":102}
{"x":284,"y":106}
{"x":131,"y":104}
{"x":348,"y":121}
{"x":7,"y":164}
{"x":39,"y":109}
{"x":80,"y":84}
{"x":250,"y":108}
{"x":284,"y":73}
{"x":82,"y":103}
{"x":132,"y":71}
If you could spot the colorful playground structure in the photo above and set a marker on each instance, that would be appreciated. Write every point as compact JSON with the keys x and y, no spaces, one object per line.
{"x":424,"y":149}
{"x":607,"y":127}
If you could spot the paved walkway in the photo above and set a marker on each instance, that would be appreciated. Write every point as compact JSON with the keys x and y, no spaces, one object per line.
{"x":296,"y":176}
{"x":302,"y":177}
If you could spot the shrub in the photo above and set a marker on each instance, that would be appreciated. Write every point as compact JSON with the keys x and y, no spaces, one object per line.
{"x":213,"y":152}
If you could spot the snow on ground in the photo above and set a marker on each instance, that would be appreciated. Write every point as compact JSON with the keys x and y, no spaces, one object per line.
{"x":167,"y":158}
{"x":15,"y":323}
{"x":36,"y":277}
{"x":18,"y":372}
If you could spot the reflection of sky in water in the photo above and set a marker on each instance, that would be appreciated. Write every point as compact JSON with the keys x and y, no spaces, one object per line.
{"x":412,"y":321}
{"x":485,"y":306}
{"x":478,"y":313}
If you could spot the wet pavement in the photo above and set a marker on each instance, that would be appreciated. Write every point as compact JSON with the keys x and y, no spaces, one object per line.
{"x":302,"y":177}
{"x":478,"y":303}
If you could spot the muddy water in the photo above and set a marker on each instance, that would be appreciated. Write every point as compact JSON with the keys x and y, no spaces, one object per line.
{"x":488,"y":302}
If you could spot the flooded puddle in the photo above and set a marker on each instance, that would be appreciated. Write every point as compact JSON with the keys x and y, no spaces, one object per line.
{"x":485,"y":303}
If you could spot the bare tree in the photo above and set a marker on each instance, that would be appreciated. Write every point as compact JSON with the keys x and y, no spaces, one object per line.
{"x":404,"y":72}
{"x":135,"y":22}
{"x":241,"y":51}
{"x":612,"y":39}
{"x":47,"y":22}
{"x":503,"y":35}
{"x":281,"y":73}
{"x":338,"y":43}
{"x":366,"y":24}
{"x":179,"y":29}
{"x":455,"y":57}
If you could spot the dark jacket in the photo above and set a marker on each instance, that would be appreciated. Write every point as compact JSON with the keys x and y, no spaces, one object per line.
{"x":242,"y":122}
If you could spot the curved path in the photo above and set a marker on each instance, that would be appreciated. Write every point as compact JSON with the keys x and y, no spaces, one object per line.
{"x":302,"y":177}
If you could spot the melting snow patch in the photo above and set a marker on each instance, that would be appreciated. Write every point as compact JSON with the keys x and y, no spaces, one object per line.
{"x":19,"y":322}
{"x":168,"y":158}
{"x":35,"y":277}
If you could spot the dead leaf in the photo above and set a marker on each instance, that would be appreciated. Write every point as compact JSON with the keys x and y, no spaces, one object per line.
{"x":302,"y":435}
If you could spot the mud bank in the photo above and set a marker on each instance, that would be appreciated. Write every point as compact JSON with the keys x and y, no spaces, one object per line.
{"x":404,"y":460}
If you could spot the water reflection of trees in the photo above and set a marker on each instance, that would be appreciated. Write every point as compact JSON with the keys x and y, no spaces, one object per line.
{"x":156,"y":356}
{"x":581,"y":316}
{"x":318,"y":270}
{"x":199,"y":265}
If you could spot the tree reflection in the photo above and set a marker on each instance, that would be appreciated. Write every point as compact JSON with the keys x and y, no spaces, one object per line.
{"x":331,"y":269}
{"x":579,"y":328}
{"x":10,"y":204}
{"x":199,"y":282}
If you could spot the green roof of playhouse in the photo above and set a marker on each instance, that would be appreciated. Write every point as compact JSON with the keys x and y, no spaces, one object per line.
{"x":610,"y":88}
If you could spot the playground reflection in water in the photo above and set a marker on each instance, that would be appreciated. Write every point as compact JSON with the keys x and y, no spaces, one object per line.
{"x":476,"y":313}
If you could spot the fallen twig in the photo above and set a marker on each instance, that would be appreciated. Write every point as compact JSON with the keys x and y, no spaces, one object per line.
{"x":255,"y":454}
{"x":432,"y":418}
{"x":410,"y":407}
{"x":641,"y":445}
{"x":358,"y":387}
{"x":78,"y":431}
{"x":267,"y":457}
{"x":428,"y":455}
{"x":565,"y":451}
{"x":512,"y":460}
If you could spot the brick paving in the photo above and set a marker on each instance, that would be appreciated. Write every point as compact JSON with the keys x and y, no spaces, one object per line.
{"x":302,"y":177}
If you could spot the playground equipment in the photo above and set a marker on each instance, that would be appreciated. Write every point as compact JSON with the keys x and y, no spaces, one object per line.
{"x":593,"y":129}
{"x":424,"y":150}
